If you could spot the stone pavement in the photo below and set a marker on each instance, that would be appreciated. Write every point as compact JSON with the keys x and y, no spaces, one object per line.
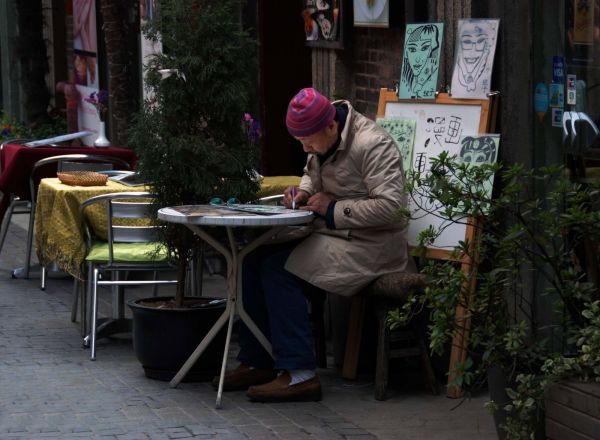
{"x":50,"y":389}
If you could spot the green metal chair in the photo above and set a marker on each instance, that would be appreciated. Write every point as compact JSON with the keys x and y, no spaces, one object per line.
{"x":127,"y":249}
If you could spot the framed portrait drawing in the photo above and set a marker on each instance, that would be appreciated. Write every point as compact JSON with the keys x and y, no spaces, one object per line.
{"x":474,"y":57}
{"x":421,"y":60}
{"x":323,"y":23}
{"x":371,"y":13}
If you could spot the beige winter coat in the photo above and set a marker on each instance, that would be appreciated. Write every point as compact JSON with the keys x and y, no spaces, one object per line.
{"x":365,"y":176}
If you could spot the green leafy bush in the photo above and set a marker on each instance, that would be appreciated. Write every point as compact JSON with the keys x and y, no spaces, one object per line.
{"x":527,"y":248}
{"x":10,"y":128}
{"x":191,"y":134}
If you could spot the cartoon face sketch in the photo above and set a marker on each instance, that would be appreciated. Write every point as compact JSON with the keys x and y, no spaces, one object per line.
{"x":474,"y":51}
{"x":418,"y":53}
{"x":475,"y":48}
{"x":478,"y":150}
{"x":403,"y":133}
{"x":421,"y":61}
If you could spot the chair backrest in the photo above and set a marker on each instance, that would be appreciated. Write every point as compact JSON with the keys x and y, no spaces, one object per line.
{"x":75,"y":162}
{"x":68,"y":165}
{"x":13,"y":141}
{"x":133,"y":205}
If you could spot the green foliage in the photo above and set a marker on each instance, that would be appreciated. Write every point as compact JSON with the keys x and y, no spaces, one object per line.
{"x":190,"y":136}
{"x":10,"y":128}
{"x":529,"y":234}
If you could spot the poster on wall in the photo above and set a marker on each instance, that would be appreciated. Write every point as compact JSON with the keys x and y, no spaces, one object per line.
{"x":371,"y":13}
{"x":322,"y":22}
{"x":474,"y":57}
{"x":85,"y":64}
{"x":421,"y":60}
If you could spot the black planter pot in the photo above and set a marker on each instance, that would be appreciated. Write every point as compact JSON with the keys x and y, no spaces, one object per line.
{"x":164,"y":338}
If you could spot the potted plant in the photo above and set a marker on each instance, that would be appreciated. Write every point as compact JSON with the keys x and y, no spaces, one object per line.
{"x":532,"y":317}
{"x":191,"y":135}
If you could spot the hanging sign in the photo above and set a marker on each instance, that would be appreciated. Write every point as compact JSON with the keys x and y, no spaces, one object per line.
{"x":557,"y":95}
{"x":558,"y":69}
{"x":571,"y":89}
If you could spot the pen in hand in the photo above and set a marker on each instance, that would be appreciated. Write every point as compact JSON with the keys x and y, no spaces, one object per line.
{"x":293,"y":193}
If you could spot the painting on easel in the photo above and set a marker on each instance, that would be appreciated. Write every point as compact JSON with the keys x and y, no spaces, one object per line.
{"x":474,"y":59}
{"x":421,"y":60}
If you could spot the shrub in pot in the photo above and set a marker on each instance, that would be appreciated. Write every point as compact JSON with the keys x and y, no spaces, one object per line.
{"x":190,"y":136}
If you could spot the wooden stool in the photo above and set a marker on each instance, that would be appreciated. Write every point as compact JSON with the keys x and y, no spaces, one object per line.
{"x":388,"y":292}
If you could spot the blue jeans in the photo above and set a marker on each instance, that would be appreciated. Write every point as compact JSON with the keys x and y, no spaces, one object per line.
{"x":274,"y":299}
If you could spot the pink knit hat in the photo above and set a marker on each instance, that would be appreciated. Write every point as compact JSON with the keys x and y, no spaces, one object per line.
{"x":308,"y":113}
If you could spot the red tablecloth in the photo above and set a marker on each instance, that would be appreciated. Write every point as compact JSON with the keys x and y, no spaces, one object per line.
{"x":16,"y":162}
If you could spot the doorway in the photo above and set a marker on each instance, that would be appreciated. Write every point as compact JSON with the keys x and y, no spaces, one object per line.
{"x":284,"y":68}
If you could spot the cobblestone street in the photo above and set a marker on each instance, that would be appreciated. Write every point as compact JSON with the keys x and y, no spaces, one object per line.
{"x":50,"y":389}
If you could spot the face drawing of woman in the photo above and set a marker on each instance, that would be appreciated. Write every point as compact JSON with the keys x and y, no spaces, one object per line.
{"x":418,"y":52}
{"x":420,"y":57}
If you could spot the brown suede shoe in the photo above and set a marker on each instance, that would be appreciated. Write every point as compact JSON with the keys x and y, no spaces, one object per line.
{"x":242,"y":377}
{"x":280,"y":390}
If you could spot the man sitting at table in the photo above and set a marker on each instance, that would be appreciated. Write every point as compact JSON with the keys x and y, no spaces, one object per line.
{"x":353,"y":182}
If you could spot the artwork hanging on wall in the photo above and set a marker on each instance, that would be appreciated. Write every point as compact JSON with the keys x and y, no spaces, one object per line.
{"x":403,"y":133}
{"x":323,"y":23}
{"x":421,"y":60}
{"x":371,"y":13}
{"x":474,"y":57}
{"x":85,"y":64}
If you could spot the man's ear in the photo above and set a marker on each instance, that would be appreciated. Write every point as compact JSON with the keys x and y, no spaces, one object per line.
{"x":333,"y":125}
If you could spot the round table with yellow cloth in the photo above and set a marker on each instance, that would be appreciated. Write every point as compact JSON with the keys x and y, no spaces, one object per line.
{"x":59,"y":234}
{"x":58,"y":226}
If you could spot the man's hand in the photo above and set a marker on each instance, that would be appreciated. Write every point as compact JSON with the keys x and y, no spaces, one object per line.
{"x":318,"y":203}
{"x":301,"y":197}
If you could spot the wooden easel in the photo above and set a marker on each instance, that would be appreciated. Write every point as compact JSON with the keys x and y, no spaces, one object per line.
{"x":472,"y":232}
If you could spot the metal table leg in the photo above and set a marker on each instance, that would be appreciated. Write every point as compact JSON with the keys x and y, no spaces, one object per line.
{"x":234,"y":306}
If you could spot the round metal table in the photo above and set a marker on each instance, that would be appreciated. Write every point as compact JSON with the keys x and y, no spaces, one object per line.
{"x":197,"y":217}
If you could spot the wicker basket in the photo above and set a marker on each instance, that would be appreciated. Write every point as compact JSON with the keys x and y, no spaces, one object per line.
{"x":82,"y":178}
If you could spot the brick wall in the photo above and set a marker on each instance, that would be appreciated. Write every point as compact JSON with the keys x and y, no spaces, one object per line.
{"x":376,"y":59}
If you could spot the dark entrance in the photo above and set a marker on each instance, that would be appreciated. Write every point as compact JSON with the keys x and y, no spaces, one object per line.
{"x":285,"y":68}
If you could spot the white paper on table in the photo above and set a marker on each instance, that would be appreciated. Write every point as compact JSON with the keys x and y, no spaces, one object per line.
{"x":57,"y":139}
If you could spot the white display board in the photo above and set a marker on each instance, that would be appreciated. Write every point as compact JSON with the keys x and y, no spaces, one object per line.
{"x":439,"y":127}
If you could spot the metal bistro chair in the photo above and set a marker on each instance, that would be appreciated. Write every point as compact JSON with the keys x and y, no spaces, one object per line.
{"x":64,"y":162}
{"x":127,"y":249}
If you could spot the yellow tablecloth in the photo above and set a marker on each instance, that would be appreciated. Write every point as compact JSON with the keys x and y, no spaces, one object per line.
{"x":273,"y":185}
{"x":58,"y":226}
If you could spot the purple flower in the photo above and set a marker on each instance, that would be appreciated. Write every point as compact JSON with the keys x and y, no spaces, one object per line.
{"x":251,"y":128}
{"x":254,"y":133}
{"x":99,"y":100}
